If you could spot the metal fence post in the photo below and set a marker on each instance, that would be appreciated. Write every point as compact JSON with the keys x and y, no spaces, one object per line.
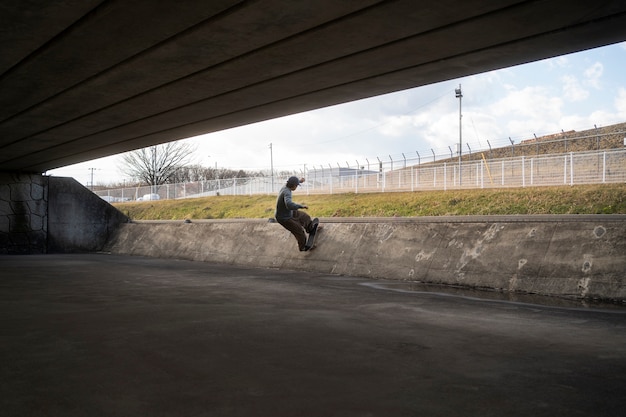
{"x":384,"y":180}
{"x":477,"y":174}
{"x":578,"y":167}
{"x":330,"y":178}
{"x":571,"y":168}
{"x":482,"y":176}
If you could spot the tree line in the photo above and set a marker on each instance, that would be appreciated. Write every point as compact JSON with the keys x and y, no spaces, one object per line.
{"x":171,"y":163}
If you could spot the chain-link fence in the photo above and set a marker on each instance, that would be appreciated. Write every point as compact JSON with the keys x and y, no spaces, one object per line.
{"x":599,"y":167}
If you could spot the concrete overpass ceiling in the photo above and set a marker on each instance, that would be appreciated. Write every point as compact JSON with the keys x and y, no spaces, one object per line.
{"x":84,"y":79}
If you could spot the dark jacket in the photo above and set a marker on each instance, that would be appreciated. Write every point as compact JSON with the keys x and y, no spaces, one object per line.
{"x":284,"y":205}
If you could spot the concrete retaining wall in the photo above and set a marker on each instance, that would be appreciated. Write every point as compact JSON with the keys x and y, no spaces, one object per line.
{"x":40,"y":214}
{"x":573,"y":256}
{"x":78,"y":220}
{"x":23,"y":213}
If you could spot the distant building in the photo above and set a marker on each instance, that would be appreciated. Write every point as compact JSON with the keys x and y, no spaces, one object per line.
{"x":321,"y":173}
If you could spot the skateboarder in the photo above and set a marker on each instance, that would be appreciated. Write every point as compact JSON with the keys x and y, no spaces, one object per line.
{"x":289,"y":216}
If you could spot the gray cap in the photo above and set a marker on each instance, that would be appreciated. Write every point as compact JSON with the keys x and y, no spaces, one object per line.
{"x":293,"y":181}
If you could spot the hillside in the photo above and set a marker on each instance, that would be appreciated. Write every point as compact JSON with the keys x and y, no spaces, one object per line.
{"x":583,"y":199}
{"x":580,"y":199}
{"x":608,"y":137}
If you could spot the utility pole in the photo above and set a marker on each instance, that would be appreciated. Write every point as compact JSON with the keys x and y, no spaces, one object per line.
{"x":272,"y":166}
{"x":91,"y":183}
{"x":459,"y":95}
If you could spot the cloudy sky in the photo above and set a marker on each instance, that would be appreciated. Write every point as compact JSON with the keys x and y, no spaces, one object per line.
{"x":571,"y":92}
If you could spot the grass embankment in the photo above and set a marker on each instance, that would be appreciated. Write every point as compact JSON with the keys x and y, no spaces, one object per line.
{"x":583,"y":199}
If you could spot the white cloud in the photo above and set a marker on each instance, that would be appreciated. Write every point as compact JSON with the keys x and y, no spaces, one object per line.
{"x":573,"y":89}
{"x":558,"y":62}
{"x":480,"y":127}
{"x":521,"y":113}
{"x":593,"y":75}
{"x":620,"y":103}
{"x":396,"y":126}
{"x":574,"y":122}
{"x":603,"y":117}
{"x":533,"y":103}
{"x":441,"y":131}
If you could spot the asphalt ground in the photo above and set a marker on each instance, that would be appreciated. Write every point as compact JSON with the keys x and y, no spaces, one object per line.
{"x":107,"y":335}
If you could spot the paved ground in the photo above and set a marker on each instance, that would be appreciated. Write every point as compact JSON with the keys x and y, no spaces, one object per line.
{"x":102,"y":335}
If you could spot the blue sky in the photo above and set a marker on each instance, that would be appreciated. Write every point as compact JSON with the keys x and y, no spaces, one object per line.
{"x":571,"y":92}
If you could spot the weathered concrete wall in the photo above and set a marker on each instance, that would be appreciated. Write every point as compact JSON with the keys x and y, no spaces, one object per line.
{"x":574,"y":256}
{"x":23,"y":213}
{"x":41,"y":214}
{"x":79,"y":220}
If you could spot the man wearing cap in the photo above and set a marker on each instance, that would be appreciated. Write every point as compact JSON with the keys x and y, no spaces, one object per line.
{"x":289,"y":215}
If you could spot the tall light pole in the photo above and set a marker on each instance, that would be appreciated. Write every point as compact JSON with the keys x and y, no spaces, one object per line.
{"x":459,"y":95}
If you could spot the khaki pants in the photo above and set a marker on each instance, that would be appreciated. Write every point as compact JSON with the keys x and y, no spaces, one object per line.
{"x":298,"y":225}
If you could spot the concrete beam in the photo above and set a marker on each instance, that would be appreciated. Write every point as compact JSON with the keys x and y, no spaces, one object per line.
{"x":94,"y":79}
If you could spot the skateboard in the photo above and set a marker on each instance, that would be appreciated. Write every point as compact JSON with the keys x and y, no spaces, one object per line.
{"x":310,"y":243}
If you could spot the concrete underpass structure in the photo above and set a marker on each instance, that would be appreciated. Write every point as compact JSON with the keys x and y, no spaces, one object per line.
{"x":88,"y":330}
{"x":91,"y":78}
{"x":86,"y":79}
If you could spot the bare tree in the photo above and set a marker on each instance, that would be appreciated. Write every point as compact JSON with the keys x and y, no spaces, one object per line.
{"x":195,"y":172}
{"x":155,"y":165}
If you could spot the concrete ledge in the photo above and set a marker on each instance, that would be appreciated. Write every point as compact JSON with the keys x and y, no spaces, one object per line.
{"x":569,"y":256}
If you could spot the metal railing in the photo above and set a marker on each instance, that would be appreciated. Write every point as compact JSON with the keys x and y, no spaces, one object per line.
{"x":597,"y":167}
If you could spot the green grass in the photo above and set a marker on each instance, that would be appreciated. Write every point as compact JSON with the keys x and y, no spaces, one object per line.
{"x":582,"y":199}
